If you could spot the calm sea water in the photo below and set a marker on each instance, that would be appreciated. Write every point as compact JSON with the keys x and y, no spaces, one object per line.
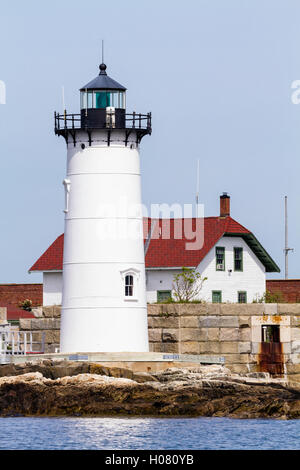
{"x":147,"y":433}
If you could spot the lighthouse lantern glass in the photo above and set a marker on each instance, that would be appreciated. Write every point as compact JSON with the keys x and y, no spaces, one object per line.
{"x":101,"y":99}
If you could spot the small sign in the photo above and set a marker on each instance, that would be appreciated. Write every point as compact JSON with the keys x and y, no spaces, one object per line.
{"x":77,"y":357}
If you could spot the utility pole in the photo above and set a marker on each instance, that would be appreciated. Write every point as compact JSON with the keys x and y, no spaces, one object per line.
{"x":286,"y":249}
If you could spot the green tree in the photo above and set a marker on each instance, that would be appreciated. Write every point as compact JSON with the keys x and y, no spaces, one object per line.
{"x":187,"y":285}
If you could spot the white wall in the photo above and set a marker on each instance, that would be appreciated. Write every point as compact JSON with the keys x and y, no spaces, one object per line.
{"x":252,"y":279}
{"x":103,"y":240}
{"x":158,"y":279}
{"x":52,"y":288}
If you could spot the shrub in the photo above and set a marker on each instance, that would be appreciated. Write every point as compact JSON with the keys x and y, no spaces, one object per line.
{"x":187,"y":285}
{"x":26,"y":305}
{"x":270,"y":298}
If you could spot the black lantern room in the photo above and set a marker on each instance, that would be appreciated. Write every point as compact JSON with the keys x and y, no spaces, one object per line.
{"x":100,"y":97}
{"x":103,"y":106}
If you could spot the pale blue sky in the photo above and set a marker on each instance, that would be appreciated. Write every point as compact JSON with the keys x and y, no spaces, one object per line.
{"x":216,"y":75}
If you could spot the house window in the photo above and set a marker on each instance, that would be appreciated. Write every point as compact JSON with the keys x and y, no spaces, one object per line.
{"x":216,"y":296}
{"x":164,"y":295}
{"x":220,"y":258}
{"x":129,"y":285}
{"x":242,"y":297}
{"x":238,"y":259}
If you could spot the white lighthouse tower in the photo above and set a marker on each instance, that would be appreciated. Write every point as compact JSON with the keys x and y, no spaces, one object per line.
{"x":104,"y":295}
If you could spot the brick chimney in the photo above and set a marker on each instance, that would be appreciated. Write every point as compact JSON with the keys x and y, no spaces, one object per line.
{"x":224,"y":205}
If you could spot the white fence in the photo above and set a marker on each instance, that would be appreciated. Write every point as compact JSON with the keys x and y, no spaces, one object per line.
{"x":14,"y":342}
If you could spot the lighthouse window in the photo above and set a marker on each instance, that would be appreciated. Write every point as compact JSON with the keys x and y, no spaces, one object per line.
{"x":122,"y":100}
{"x":90,"y":100}
{"x":83,"y":100}
{"x":129,"y":286}
{"x":115,"y":100}
{"x":102,"y":99}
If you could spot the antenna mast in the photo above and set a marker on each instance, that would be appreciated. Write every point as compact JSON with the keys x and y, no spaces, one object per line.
{"x":197,"y":188}
{"x":286,"y":249}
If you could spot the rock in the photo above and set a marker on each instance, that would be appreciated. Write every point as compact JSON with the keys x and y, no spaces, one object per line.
{"x":259,"y":375}
{"x":34,"y":376}
{"x":91,"y":389}
{"x":142,"y":377}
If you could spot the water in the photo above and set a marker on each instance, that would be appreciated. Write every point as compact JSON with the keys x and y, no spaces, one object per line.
{"x":148,"y":433}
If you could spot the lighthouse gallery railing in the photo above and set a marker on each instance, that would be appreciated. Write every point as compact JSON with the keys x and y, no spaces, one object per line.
{"x":73,"y":121}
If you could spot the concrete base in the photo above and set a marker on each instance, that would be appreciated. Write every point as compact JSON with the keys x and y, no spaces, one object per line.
{"x":147,"y":361}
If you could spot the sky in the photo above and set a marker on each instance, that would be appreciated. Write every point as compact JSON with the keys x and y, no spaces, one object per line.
{"x":217,"y":76}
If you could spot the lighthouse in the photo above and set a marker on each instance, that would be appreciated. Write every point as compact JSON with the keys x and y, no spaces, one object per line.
{"x":104,"y":290}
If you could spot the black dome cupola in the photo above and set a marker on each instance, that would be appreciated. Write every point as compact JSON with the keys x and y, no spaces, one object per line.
{"x":103,"y":81}
{"x":103,"y":92}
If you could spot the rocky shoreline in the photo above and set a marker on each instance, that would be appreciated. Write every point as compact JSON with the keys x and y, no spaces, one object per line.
{"x":90,"y":389}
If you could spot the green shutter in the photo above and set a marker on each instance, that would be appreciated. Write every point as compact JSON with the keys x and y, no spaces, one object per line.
{"x":216,"y":296}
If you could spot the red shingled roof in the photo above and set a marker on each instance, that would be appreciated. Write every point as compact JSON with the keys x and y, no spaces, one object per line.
{"x":15,"y":313}
{"x":52,"y":259}
{"x":173,"y":252}
{"x":162,"y":251}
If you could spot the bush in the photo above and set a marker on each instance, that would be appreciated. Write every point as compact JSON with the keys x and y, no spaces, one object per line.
{"x":26,"y":305}
{"x":271,"y":298}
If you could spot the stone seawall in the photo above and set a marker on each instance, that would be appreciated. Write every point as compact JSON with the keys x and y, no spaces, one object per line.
{"x":233,"y":331}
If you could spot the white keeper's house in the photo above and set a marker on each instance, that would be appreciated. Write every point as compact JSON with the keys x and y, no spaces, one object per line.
{"x":231,"y":258}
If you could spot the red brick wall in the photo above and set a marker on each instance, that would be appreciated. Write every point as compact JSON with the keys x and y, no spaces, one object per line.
{"x":12,"y":294}
{"x":290,"y":289}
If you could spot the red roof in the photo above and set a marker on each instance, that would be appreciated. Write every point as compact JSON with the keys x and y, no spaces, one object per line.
{"x":174,"y":252}
{"x":163,"y":250}
{"x":15,"y":313}
{"x":52,"y":259}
